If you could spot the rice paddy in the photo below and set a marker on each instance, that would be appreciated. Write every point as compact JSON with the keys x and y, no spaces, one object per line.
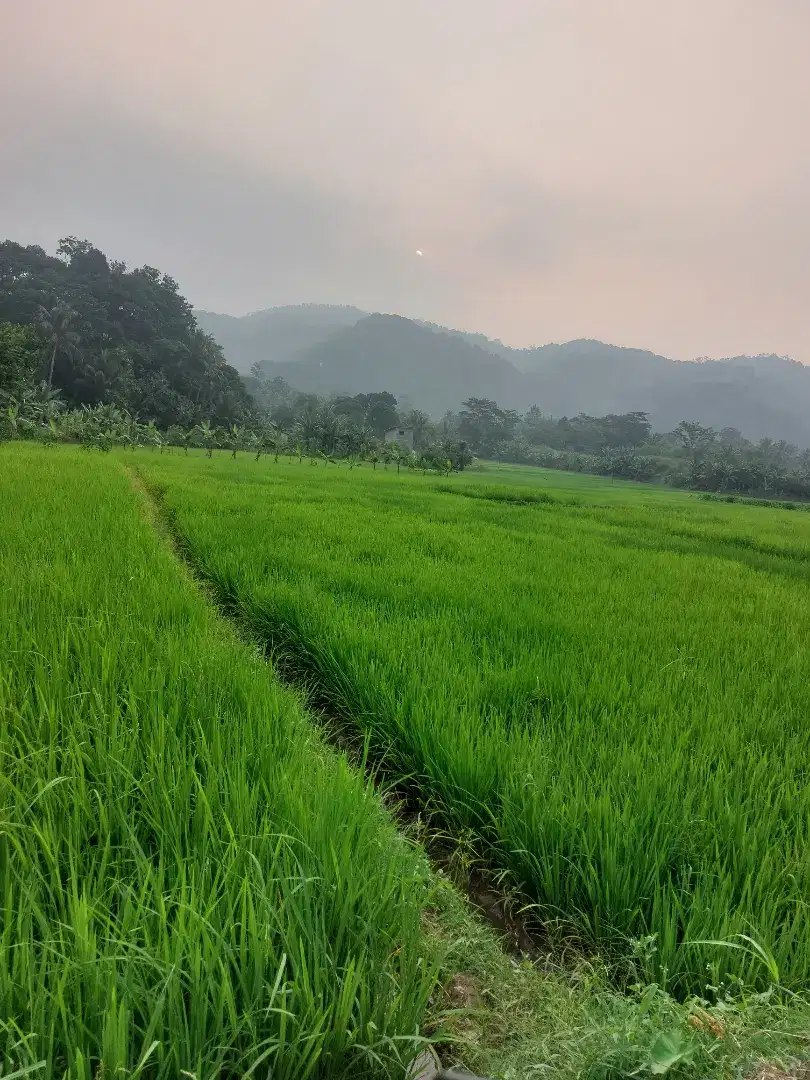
{"x":599,"y":688}
{"x":189,"y":883}
{"x":605,"y":685}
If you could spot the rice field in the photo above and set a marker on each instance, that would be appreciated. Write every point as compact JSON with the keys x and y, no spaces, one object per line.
{"x":190,"y":883}
{"x":193,"y":883}
{"x":604,"y":685}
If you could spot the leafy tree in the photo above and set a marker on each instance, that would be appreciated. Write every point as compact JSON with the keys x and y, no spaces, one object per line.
{"x":350,"y":408}
{"x":377,"y":412}
{"x":539,"y":430}
{"x":694,"y":438}
{"x":421,"y":426}
{"x":354,"y":439}
{"x":381,"y":412}
{"x":625,"y":463}
{"x":269,"y":439}
{"x":307,"y":428}
{"x":448,"y":426}
{"x":625,"y":429}
{"x":447,"y":455}
{"x":329,"y":428}
{"x":483,"y":424}
{"x":206,"y":437}
{"x":732,"y":437}
{"x":119,"y":336}
{"x":20,"y":359}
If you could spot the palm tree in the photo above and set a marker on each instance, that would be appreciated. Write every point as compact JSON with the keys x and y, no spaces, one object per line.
{"x":55,"y":325}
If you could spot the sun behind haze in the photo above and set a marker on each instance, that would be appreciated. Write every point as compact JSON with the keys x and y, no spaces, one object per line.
{"x":621,"y":169}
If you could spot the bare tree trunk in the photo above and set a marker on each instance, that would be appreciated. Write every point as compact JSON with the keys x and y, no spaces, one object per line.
{"x":53,"y":360}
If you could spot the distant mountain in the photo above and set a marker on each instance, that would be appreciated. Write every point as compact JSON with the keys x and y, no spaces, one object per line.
{"x":493,"y":345}
{"x":276,"y":335}
{"x":431,"y":370}
{"x":761,"y":395}
{"x":322,"y":349}
{"x":584,"y":350}
{"x":592,"y":377}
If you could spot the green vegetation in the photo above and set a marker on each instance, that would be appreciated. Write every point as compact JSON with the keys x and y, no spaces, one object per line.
{"x":110,"y":335}
{"x":610,"y":695}
{"x":189,"y":882}
{"x":625,"y":446}
{"x":524,"y":1020}
{"x":20,"y":358}
{"x":319,"y":431}
{"x":352,"y":429}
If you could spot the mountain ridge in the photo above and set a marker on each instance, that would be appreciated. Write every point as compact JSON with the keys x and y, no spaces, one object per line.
{"x":328,"y":349}
{"x":275,"y":335}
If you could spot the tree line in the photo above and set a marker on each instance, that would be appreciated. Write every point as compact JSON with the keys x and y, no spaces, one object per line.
{"x":321,"y":435}
{"x":625,"y":446}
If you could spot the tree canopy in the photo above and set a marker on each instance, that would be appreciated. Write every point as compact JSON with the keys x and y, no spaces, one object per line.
{"x":113,"y":335}
{"x":21,"y":358}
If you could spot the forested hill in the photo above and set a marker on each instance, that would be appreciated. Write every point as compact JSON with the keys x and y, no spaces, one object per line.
{"x":435,"y":369}
{"x":103,"y":333}
{"x":431,"y":371}
{"x":275,"y":335}
{"x":759,"y":395}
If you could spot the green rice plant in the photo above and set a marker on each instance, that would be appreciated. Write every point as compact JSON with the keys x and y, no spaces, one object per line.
{"x":190,"y":884}
{"x":512,"y":495}
{"x":610,"y":693}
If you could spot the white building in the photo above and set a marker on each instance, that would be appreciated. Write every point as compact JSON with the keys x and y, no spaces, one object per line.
{"x":402,"y":436}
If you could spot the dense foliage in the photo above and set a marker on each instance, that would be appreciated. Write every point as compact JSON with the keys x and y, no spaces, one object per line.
{"x":319,"y":431}
{"x":624,"y":445}
{"x":21,"y":358}
{"x":108,"y":334}
{"x":347,"y":428}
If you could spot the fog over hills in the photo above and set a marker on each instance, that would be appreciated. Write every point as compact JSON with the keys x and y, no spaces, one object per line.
{"x":331,"y":349}
{"x":276,"y":334}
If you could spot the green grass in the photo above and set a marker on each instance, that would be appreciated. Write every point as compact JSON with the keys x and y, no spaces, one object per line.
{"x":557,"y":481}
{"x":558,"y":1017}
{"x":189,"y":882}
{"x":192,"y":884}
{"x":606,"y":685}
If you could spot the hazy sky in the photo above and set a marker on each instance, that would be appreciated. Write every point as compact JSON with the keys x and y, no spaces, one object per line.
{"x":635,"y":170}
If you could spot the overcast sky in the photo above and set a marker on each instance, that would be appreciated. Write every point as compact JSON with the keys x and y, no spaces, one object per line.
{"x":634,"y":170}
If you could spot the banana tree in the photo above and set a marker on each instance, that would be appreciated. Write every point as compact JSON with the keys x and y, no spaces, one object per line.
{"x":207,"y":437}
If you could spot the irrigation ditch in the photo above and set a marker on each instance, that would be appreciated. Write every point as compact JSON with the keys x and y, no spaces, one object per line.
{"x":494,"y":896}
{"x":491,"y":895}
